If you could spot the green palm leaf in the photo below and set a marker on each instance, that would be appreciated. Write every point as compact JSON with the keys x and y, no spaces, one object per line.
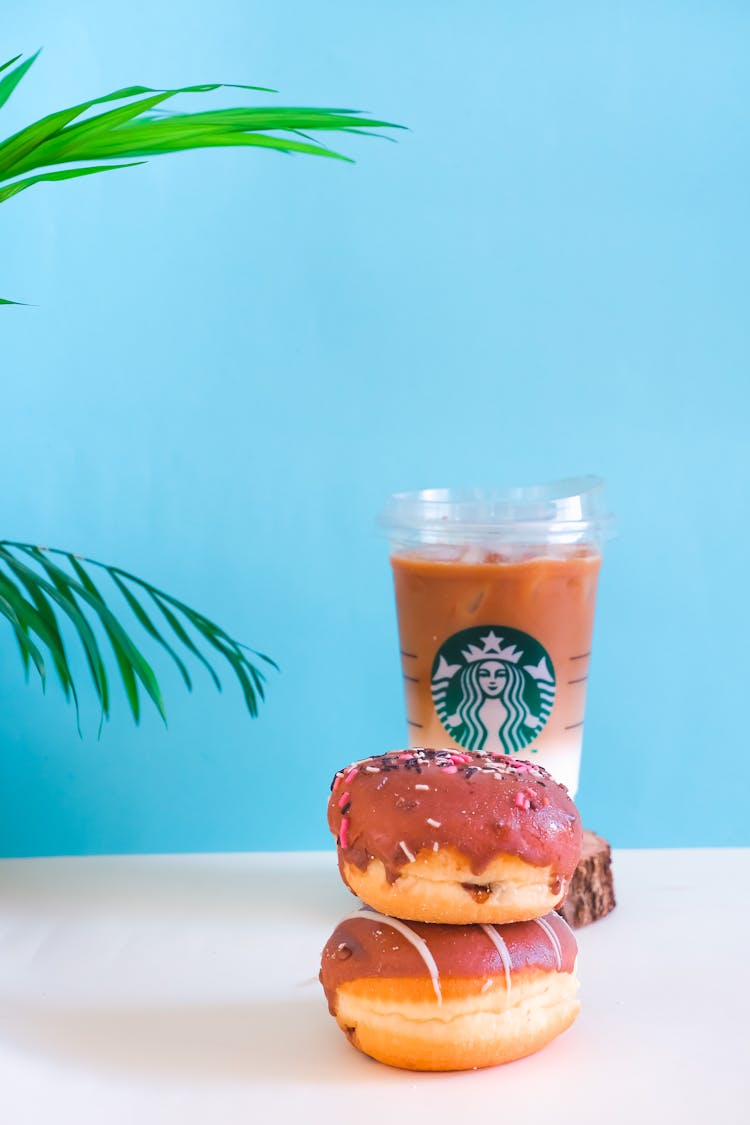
{"x":139,"y":128}
{"x":38,"y":595}
{"x":68,"y":174}
{"x":14,"y":609}
{"x":11,"y":80}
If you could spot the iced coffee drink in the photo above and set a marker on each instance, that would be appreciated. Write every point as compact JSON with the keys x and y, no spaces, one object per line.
{"x":495,"y":595}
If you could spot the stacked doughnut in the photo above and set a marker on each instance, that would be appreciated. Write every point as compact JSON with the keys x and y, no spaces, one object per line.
{"x":457,"y":959}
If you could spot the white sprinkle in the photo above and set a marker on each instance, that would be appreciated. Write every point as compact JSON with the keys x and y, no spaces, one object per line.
{"x":371,"y":769}
{"x":421,"y":787}
{"x":406,"y":851}
{"x":436,"y":846}
{"x":434,"y":823}
{"x":487,"y":984}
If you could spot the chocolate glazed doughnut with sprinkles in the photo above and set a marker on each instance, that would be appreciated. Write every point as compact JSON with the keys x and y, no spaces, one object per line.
{"x":454,"y":837}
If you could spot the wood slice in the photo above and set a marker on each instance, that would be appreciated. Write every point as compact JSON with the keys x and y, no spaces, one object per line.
{"x":591,"y":894}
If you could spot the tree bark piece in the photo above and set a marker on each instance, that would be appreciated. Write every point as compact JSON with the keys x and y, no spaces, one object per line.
{"x":591,"y":894}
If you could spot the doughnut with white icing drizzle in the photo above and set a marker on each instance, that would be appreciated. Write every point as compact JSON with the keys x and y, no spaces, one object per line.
{"x":439,"y":997}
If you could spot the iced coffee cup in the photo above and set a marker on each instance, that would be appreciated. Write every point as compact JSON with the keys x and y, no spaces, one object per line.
{"x":495,"y":595}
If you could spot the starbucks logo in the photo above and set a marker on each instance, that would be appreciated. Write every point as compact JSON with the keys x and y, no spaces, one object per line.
{"x":493,"y":688}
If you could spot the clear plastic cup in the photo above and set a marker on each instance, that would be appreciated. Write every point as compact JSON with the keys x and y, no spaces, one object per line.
{"x":495,"y":595}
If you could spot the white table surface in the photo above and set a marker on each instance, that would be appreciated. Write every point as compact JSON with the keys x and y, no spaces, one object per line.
{"x":183,"y":989}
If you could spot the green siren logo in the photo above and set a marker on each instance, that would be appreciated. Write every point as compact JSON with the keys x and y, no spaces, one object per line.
{"x":493,"y":688}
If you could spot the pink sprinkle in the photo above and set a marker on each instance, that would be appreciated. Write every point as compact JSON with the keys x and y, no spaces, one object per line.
{"x":522,"y":801}
{"x":336,"y":782}
{"x":450,"y":769}
{"x":343,"y":831}
{"x":351,"y":774}
{"x":460,"y":759}
{"x":405,"y":756}
{"x":343,"y":799}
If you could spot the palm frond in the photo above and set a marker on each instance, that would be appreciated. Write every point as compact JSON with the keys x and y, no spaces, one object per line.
{"x":133,"y":130}
{"x":38,"y":595}
{"x":140,"y":128}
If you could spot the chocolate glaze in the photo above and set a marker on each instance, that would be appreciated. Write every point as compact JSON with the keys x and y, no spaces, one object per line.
{"x":361,"y":948}
{"x":483,"y":805}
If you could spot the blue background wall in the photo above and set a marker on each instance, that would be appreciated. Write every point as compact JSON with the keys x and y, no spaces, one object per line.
{"x":234,"y":357}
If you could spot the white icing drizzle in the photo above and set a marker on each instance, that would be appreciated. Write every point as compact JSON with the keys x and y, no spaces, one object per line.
{"x":502,"y":949}
{"x":413,"y":938}
{"x":561,"y":922}
{"x":553,"y":940}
